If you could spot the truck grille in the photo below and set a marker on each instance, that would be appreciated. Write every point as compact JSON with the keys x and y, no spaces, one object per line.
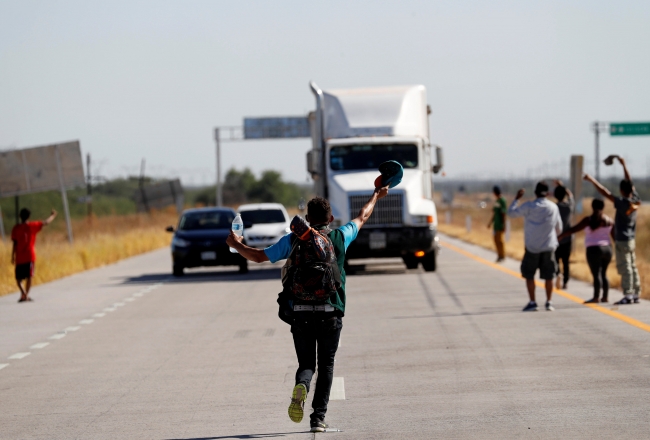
{"x":388,"y":211}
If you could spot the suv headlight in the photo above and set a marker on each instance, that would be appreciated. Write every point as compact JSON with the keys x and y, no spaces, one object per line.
{"x":179,"y":242}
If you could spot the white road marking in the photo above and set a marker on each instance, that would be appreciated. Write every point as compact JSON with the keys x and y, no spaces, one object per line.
{"x":129,"y":299}
{"x":118,"y":304}
{"x":73,"y":328}
{"x":339,"y":341}
{"x":57,"y":336}
{"x":3,"y":365}
{"x":86,"y":321}
{"x":338,"y":389}
{"x":39,"y":345}
{"x":99,"y":315}
{"x":138,"y":294}
{"x":19,"y":355}
{"x":110,"y":309}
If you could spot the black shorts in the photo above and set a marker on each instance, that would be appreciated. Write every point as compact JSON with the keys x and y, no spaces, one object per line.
{"x":25,"y":270}
{"x":544,"y":261}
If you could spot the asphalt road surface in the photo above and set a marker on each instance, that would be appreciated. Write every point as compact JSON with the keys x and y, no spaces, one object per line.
{"x":127,"y":352}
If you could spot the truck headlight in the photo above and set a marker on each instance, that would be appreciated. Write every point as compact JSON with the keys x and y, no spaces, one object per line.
{"x":179,"y":242}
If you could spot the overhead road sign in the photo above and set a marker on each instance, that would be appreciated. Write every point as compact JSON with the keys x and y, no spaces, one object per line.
{"x":629,"y":128}
{"x":275,"y":128}
{"x":33,"y":170}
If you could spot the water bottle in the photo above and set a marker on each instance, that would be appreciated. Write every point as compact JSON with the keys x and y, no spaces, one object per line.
{"x":238,"y":229}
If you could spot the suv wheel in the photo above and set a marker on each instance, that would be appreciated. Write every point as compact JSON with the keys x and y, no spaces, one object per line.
{"x":177,"y":270}
{"x":410,"y":261}
{"x":429,"y":262}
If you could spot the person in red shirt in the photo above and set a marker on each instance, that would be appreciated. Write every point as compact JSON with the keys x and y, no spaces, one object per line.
{"x":23,"y":254}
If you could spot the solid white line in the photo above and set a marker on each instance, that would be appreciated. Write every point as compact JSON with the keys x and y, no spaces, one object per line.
{"x":57,"y":336}
{"x":3,"y":365}
{"x":86,"y":321}
{"x":73,"y":328}
{"x":338,"y":389}
{"x":39,"y":345}
{"x":99,"y":315}
{"x":19,"y":355}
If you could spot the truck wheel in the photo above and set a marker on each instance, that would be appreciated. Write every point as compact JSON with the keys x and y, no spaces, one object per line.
{"x":243,"y":267}
{"x":177,"y":270}
{"x":429,"y":262}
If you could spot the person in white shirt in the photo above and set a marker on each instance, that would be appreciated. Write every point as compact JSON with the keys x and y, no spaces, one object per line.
{"x":542,"y":225}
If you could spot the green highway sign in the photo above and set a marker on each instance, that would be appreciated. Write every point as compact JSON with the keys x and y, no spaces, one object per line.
{"x":629,"y":129}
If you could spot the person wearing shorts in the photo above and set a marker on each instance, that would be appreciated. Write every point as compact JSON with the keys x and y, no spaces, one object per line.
{"x":542,"y":225}
{"x":23,"y":252}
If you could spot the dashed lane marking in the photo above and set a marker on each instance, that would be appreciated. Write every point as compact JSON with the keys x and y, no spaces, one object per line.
{"x":73,"y":328}
{"x":39,"y":345}
{"x":110,"y":309}
{"x":129,"y":299}
{"x":338,"y":389}
{"x":119,"y":304}
{"x":19,"y":355}
{"x":57,"y":336}
{"x":86,"y":321}
{"x":138,"y":294}
{"x":99,"y":315}
{"x":3,"y":365}
{"x":626,"y":319}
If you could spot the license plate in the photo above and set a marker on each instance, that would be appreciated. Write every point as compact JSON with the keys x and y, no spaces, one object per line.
{"x":208,"y":255}
{"x":377,"y":240}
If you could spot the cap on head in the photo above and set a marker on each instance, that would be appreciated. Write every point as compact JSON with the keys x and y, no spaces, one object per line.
{"x":24,"y":214}
{"x":541,"y":189}
{"x":496,"y":189}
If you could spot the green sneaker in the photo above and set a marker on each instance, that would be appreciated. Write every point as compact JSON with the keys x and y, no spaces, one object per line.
{"x":298,"y":398}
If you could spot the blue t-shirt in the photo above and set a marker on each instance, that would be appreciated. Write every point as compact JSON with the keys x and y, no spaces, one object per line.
{"x":282,"y":249}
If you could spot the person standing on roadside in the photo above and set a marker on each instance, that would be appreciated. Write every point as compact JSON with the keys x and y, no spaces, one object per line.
{"x":566,"y":205}
{"x":316,"y":329}
{"x":624,"y":231}
{"x":597,"y":228}
{"x":498,"y":222}
{"x":542,"y":225}
{"x":23,"y":252}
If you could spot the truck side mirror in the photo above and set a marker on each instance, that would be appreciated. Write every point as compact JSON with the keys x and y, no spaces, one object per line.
{"x":169,"y":229}
{"x":312,"y":162}
{"x":439,"y":163}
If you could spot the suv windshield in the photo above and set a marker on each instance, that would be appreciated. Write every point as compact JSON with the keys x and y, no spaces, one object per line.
{"x":206,"y":220}
{"x":367,"y":157}
{"x":263,"y":216}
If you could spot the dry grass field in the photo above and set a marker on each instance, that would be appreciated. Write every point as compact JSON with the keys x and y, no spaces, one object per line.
{"x":106,"y":240}
{"x":482,"y":236}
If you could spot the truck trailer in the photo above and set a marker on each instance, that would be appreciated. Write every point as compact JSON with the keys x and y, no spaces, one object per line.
{"x":353,"y":131}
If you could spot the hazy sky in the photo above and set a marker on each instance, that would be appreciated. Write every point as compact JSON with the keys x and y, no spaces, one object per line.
{"x":511,"y":83}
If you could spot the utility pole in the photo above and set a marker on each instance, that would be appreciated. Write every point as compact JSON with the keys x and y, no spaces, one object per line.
{"x":141,"y":185}
{"x":89,"y":189}
{"x":598,"y":127}
{"x":219,"y":195}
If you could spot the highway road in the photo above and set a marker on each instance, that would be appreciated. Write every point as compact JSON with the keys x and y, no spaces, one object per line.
{"x":127,"y":352}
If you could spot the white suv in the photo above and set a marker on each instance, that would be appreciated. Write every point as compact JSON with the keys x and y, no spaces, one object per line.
{"x":264,"y":223}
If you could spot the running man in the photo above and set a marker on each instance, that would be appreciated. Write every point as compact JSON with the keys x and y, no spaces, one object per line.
{"x":316,"y":329}
{"x":624,"y":231}
{"x":566,"y":205}
{"x":23,"y":254}
{"x":542,"y":225}
{"x":498,"y":222}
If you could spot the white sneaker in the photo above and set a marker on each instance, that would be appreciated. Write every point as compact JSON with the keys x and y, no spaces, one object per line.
{"x":549,"y":306}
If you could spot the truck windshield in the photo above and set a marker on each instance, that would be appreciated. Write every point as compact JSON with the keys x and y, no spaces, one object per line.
{"x":367,"y":157}
{"x":257,"y":216}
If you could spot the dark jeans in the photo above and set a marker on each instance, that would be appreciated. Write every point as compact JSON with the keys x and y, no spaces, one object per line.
{"x":598,"y":258}
{"x":316,"y":336}
{"x":563,"y":253}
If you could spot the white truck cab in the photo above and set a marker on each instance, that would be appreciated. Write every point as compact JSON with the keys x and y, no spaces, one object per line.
{"x":353,"y":132}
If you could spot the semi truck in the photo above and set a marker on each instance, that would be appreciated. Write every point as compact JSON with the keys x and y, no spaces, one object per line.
{"x":353,"y":131}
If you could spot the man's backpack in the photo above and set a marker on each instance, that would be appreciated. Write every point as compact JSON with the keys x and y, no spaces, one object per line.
{"x":311,"y":273}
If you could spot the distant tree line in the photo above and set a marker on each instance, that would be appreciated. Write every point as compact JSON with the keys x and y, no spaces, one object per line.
{"x":243,"y":187}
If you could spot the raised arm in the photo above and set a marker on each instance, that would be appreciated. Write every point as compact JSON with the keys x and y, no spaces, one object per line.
{"x":625,"y":171}
{"x":251,"y":254}
{"x":50,"y":219}
{"x":366,"y":211}
{"x":515,"y":210}
{"x":600,"y":188}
